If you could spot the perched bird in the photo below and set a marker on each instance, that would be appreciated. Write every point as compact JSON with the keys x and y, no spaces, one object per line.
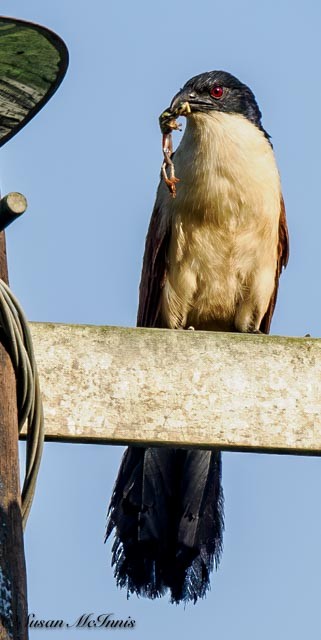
{"x":212,"y":261}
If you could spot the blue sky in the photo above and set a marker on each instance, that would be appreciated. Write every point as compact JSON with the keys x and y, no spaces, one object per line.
{"x":89,"y":166}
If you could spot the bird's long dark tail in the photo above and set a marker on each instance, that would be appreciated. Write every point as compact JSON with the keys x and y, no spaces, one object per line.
{"x":167,"y":512}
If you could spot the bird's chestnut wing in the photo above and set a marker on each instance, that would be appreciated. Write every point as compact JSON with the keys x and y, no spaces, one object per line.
{"x":154,"y":269}
{"x":282,"y":260}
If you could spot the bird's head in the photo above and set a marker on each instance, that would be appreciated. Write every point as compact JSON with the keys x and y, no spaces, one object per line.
{"x":217,"y":91}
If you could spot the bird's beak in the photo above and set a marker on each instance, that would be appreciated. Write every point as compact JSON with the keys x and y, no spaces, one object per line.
{"x":179,"y":107}
{"x":193,"y":101}
{"x":181,"y":103}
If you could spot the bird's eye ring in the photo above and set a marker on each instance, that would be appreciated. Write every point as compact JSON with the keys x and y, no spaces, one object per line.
{"x":217,"y":91}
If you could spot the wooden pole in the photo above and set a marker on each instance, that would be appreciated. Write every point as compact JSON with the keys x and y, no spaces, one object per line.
{"x":12,"y":206}
{"x":13,"y":589}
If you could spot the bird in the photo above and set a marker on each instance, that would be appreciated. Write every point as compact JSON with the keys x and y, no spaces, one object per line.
{"x":213,"y":257}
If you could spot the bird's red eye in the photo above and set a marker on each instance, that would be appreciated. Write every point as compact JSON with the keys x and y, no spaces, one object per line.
{"x":216,"y":91}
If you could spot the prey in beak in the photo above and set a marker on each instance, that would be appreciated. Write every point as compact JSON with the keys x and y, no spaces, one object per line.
{"x":168,"y":123}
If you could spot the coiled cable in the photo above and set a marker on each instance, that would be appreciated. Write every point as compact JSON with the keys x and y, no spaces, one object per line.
{"x":14,"y":325}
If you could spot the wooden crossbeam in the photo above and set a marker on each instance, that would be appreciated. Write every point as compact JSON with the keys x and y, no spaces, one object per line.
{"x":184,"y":388}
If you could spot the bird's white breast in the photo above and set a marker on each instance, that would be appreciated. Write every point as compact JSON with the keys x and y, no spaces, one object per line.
{"x":224,"y":220}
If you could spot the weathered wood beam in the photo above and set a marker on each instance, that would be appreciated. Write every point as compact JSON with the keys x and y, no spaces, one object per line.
{"x":120,"y":386}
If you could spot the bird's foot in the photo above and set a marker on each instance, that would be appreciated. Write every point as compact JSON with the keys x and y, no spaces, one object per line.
{"x":249,"y":330}
{"x":256,"y":331}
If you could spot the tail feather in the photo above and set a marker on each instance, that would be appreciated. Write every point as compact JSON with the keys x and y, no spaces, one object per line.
{"x":167,"y":512}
